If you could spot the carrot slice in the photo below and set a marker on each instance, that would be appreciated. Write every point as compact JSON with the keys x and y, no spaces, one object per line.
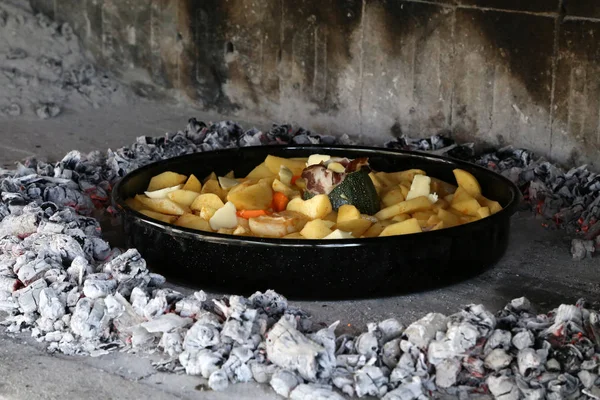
{"x":295,"y":178}
{"x":250,"y":213}
{"x":280,"y":201}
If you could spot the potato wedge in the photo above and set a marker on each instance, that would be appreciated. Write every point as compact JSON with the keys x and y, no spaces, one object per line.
{"x":449,"y":218}
{"x":407,"y":175}
{"x":193,"y":184}
{"x":494,"y":206}
{"x":423,"y":215}
{"x":159,"y":216}
{"x":212,"y":176}
{"x":357,"y":227}
{"x":467,"y":207}
{"x":209,"y":200}
{"x":401,"y":217}
{"x":212,"y":186}
{"x":192,"y":221}
{"x":332,"y":216}
{"x":402,"y":228}
{"x":249,"y":196}
{"x":460,"y":195}
{"x":385,"y":179}
{"x":379,"y":185}
{"x":314,"y":208}
{"x":420,"y":203}
{"x":164,"y":180}
{"x":183,"y":197}
{"x":315,"y":229}
{"x":438,"y":226}
{"x":347,"y":212}
{"x":392,"y":197}
{"x":467,"y":181}
{"x":274,"y":164}
{"x":440,"y":204}
{"x":260,"y":171}
{"x":433,"y":220}
{"x":206,"y":212}
{"x":483,"y":212}
{"x":376,"y":228}
{"x":271,"y":226}
{"x":163,"y":206}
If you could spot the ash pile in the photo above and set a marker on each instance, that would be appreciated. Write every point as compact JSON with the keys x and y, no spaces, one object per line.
{"x":43,"y":68}
{"x":565,"y":199}
{"x":60,"y":281}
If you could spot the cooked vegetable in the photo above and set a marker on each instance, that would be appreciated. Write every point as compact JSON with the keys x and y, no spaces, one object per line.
{"x":246,"y":214}
{"x":209,"y":200}
{"x":163,"y":206}
{"x":193,"y":222}
{"x":193,"y":184}
{"x":183,"y":197}
{"x":280,"y":201}
{"x":319,"y":197}
{"x":251,"y":196}
{"x":224,"y":217}
{"x":468,"y":182}
{"x":165,"y":180}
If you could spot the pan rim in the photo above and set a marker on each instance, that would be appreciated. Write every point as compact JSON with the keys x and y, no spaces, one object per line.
{"x":118,"y":203}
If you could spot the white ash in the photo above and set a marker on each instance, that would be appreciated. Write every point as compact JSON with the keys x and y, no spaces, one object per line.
{"x":44,"y":69}
{"x":62,"y":282}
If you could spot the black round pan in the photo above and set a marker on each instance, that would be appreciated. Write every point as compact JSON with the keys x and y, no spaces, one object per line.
{"x":317,"y":269}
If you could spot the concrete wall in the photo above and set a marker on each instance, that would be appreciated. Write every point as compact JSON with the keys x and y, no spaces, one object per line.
{"x":523,"y":72}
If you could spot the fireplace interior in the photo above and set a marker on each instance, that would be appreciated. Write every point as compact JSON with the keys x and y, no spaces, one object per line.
{"x":94,"y":89}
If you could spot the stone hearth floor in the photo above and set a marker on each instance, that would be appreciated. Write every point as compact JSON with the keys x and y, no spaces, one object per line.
{"x":537,"y":265}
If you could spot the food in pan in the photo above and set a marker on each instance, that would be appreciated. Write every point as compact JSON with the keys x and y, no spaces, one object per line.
{"x":319,"y":197}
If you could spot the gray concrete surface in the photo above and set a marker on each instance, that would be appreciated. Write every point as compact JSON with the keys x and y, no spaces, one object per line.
{"x":537,"y":265}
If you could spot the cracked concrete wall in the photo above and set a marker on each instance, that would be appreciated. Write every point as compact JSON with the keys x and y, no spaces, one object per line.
{"x":493,"y":71}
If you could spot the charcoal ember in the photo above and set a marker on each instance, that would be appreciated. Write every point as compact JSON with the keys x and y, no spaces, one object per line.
{"x":498,"y":339}
{"x":125,"y":287}
{"x":51,"y":306}
{"x":142,"y":339}
{"x":529,"y":361}
{"x":218,"y":380}
{"x":172,"y":343}
{"x":497,"y":360}
{"x":409,"y":390}
{"x":313,"y":391}
{"x":581,"y":249}
{"x":200,"y":362}
{"x":89,"y":318}
{"x":565,"y":385}
{"x":127,"y":265}
{"x":191,"y":306}
{"x":390,"y":354}
{"x":523,"y":340}
{"x":458,"y":339}
{"x":61,"y":245}
{"x":166,"y":323}
{"x":421,"y":332}
{"x":290,"y":349}
{"x":587,"y":378}
{"x":19,"y":225}
{"x":531,"y":389}
{"x":326,"y":338}
{"x":446,"y":373}
{"x":503,"y":387}
{"x":202,"y":335}
{"x":7,"y":302}
{"x":99,"y":285}
{"x":272,"y":303}
{"x":79,"y":268}
{"x":96,"y":248}
{"x":386,"y":330}
{"x":367,"y":344}
{"x":235,"y":368}
{"x":370,"y":381}
{"x":32,"y":270}
{"x":241,"y":320}
{"x":28,"y":297}
{"x":262,"y":373}
{"x":162,"y":301}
